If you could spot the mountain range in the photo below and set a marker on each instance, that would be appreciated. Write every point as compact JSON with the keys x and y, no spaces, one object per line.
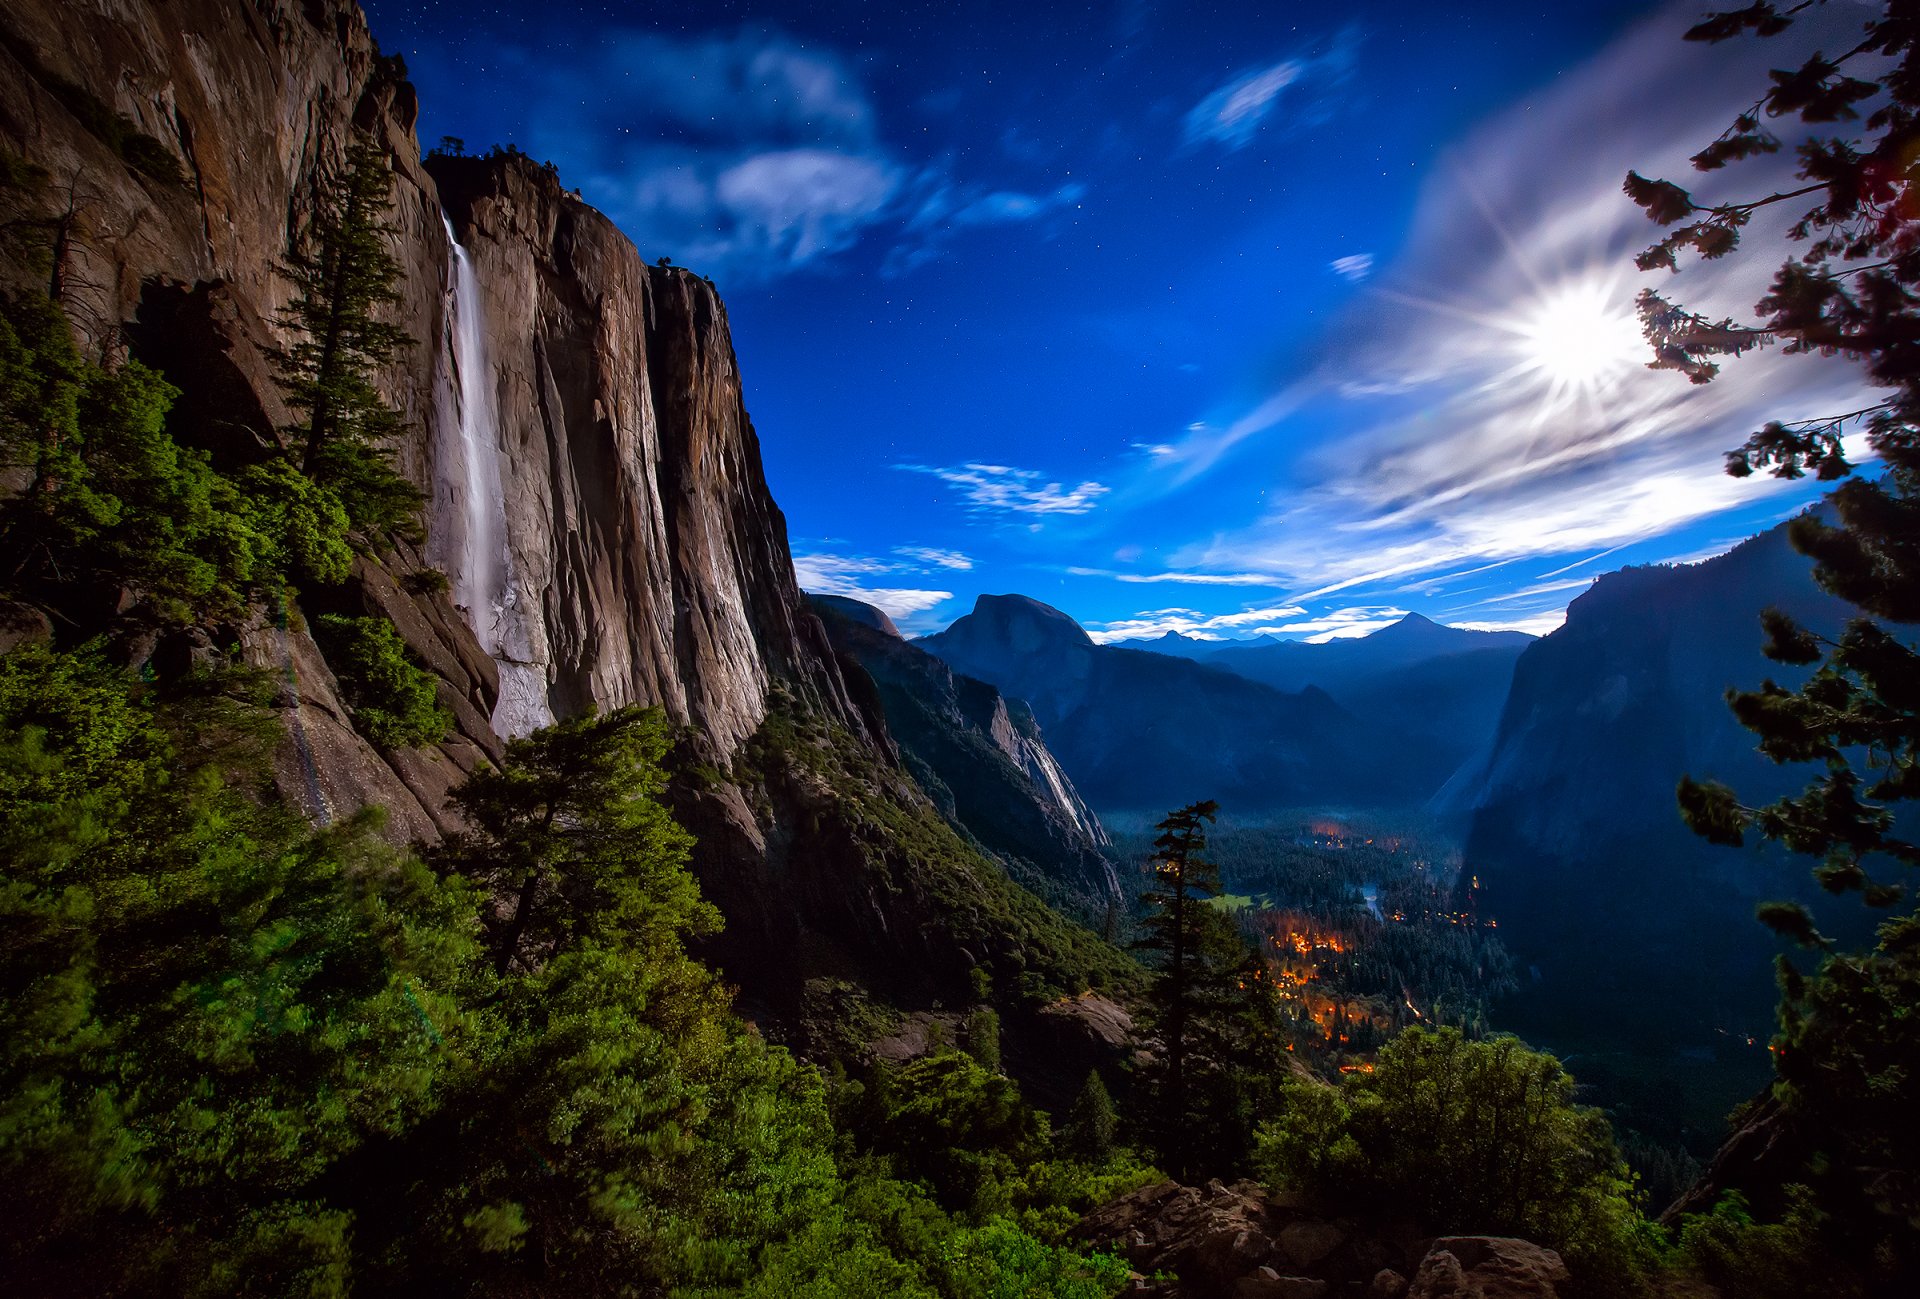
{"x":1378,"y":721}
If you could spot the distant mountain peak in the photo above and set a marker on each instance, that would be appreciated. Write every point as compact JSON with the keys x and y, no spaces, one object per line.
{"x":1023,"y":620}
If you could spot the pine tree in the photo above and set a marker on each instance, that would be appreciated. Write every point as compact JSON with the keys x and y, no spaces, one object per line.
{"x":1174,"y":933}
{"x":1214,"y":1019}
{"x":982,"y":1039}
{"x":343,"y":279}
{"x":1091,"y":1122}
{"x":570,"y":835}
{"x":1848,"y":1058}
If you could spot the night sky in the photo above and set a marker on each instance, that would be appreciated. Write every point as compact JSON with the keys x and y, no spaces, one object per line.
{"x":1233,"y":319}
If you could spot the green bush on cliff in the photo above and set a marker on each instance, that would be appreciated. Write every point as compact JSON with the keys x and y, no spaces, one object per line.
{"x":392,"y":697}
{"x":108,"y":498}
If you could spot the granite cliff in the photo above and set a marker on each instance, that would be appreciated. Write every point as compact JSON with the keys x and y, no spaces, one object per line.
{"x":574,"y":417}
{"x":983,"y":760}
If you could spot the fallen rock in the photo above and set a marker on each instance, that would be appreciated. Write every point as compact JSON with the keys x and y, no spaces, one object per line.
{"x":1269,"y":1284}
{"x":1488,"y":1267}
{"x":1307,"y":1243}
{"x":23,"y":624}
{"x":1387,"y":1284}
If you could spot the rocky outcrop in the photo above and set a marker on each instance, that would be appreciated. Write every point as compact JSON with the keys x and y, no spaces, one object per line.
{"x":1238,"y":1242}
{"x":1244,"y":1242}
{"x":1488,"y":1267}
{"x":982,"y":759}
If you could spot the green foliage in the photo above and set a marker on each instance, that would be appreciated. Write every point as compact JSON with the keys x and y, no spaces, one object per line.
{"x":1738,"y":1256}
{"x":238,"y":1057}
{"x":1464,"y":1137}
{"x":110,"y":499}
{"x":1091,"y":1123}
{"x":982,"y":1038}
{"x":1002,"y":1262}
{"x":953,"y":1125}
{"x":571,"y":830}
{"x":205,"y":1006}
{"x":392,"y":697}
{"x":343,"y":280}
{"x":1028,"y":951}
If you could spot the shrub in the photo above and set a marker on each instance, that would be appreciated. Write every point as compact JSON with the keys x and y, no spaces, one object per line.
{"x":392,"y":697}
{"x":1466,"y":1137}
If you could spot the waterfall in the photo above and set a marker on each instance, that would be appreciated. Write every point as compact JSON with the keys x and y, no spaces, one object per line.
{"x":468,"y":530}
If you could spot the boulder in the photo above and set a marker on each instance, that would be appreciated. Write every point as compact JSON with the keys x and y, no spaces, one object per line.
{"x":1488,"y":1267}
{"x":1269,"y":1284}
{"x":1386,"y":1284}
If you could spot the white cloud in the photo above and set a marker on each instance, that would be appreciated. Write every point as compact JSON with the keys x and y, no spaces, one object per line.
{"x":797,"y":204}
{"x":1190,"y":579}
{"x":1536,"y":624}
{"x":1354,"y":266}
{"x":1002,"y":488}
{"x":934,"y":557}
{"x":1231,"y":115}
{"x":1191,"y":622}
{"x":746,"y":154}
{"x":845,"y":575}
{"x":946,"y":208}
{"x":1234,"y":112}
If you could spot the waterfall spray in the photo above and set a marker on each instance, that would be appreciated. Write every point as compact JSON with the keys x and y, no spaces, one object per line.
{"x":468,"y":533}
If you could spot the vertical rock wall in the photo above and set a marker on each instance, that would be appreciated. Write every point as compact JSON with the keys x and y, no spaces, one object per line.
{"x":653,"y":559}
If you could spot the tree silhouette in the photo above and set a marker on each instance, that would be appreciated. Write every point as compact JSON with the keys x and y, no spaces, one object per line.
{"x":1848,"y":1057}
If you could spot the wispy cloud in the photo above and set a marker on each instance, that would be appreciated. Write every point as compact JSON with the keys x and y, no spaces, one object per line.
{"x":1504,"y":416}
{"x":850,"y":576}
{"x":1233,"y":114}
{"x":1190,"y":579}
{"x":934,"y":557}
{"x":1536,"y":624}
{"x":1354,"y":267}
{"x":944,"y":209}
{"x":749,"y":154}
{"x":989,"y":488}
{"x":1288,"y":621}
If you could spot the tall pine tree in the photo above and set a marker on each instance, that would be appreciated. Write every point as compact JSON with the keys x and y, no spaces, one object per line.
{"x":1214,"y":1018}
{"x":343,"y":278}
{"x":1848,"y":1056}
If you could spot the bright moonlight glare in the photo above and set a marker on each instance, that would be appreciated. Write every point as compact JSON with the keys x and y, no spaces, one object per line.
{"x":1580,"y":336}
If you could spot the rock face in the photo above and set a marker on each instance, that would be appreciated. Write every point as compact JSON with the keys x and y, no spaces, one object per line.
{"x":1574,"y":833}
{"x":644,"y":560}
{"x":646,"y":548}
{"x":639,"y":521}
{"x":1243,"y":1242}
{"x":1488,"y":1267}
{"x":981,"y":757}
{"x":1139,"y":731}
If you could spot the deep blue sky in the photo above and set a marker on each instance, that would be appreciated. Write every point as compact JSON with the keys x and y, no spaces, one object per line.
{"x":1231,"y":318}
